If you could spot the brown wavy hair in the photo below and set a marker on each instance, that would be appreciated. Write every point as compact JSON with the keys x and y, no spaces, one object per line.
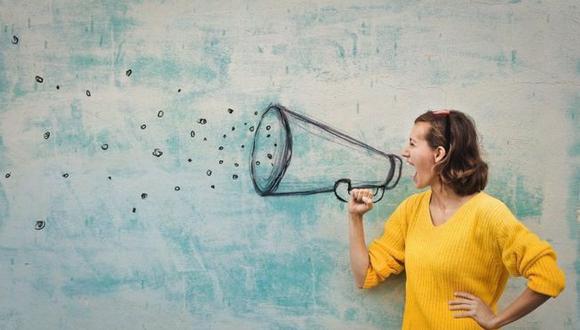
{"x":462,"y":168}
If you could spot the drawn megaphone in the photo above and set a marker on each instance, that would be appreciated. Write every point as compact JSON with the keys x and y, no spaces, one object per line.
{"x":296,"y":155}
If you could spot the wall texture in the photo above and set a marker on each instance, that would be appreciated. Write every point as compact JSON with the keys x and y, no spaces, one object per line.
{"x":116,"y":212}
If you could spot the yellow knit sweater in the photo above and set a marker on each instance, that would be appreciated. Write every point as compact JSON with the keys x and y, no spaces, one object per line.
{"x":473,"y":251}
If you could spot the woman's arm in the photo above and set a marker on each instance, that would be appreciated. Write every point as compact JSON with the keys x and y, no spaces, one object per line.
{"x":473,"y":307}
{"x":359,"y":255}
{"x":522,"y":306}
{"x":360,"y":203}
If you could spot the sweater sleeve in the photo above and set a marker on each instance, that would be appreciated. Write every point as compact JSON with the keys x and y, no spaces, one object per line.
{"x":524,"y":254}
{"x":387,"y":253}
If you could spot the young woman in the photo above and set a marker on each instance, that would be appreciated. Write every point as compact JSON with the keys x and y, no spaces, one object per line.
{"x":457,"y":244}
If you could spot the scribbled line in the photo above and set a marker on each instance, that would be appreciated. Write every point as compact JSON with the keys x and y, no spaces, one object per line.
{"x":14,"y":40}
{"x":39,"y":225}
{"x":267,"y":182}
{"x":46,"y":135}
{"x":129,"y":72}
{"x":39,"y":79}
{"x":88,"y":92}
{"x":157,"y":152}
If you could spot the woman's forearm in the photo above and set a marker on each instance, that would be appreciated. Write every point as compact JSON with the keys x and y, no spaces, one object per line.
{"x":359,"y":255}
{"x":523,"y":305}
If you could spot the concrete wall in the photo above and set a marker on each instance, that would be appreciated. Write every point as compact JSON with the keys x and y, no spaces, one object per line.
{"x":82,"y":247}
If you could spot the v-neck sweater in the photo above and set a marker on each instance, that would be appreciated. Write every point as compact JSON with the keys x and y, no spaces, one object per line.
{"x":475,"y":250}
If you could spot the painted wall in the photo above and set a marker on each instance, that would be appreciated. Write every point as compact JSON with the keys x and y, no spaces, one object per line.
{"x":114,"y":215}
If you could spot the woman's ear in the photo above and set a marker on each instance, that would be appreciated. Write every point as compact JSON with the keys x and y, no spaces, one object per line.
{"x":439,"y":154}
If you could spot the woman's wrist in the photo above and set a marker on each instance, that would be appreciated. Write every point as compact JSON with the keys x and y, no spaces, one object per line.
{"x":355,"y":216}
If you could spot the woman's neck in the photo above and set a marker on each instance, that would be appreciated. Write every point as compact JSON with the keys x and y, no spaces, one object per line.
{"x":444,"y":198}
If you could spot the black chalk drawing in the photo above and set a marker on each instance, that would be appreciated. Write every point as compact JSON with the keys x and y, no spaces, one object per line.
{"x":46,"y":135}
{"x":202,"y":121}
{"x":160,"y":113}
{"x":39,"y":79}
{"x":39,"y":225}
{"x":105,"y":146}
{"x":14,"y":40}
{"x":65,"y":175}
{"x":230,"y":110}
{"x":157,"y":152}
{"x":208,"y":172}
{"x":88,"y":92}
{"x":144,"y":195}
{"x":7,"y":175}
{"x":192,"y":133}
{"x":313,"y":158}
{"x":134,"y":210}
{"x":129,"y":72}
{"x":57,"y":87}
{"x":177,"y":188}
{"x":143,"y":126}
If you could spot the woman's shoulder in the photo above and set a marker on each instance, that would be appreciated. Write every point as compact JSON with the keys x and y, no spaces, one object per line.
{"x":487,"y":202}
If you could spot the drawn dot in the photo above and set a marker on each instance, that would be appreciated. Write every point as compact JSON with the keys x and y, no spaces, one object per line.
{"x":258,"y":162}
{"x":189,"y":160}
{"x":105,"y":146}
{"x":128,"y":72}
{"x":65,"y":175}
{"x":243,"y":146}
{"x":157,"y":152}
{"x":233,"y":128}
{"x":269,"y":156}
{"x":268,"y":127}
{"x":235,"y":176}
{"x":230,"y":110}
{"x":246,"y":124}
{"x":134,"y":210}
{"x":252,"y":129}
{"x":236,"y":164}
{"x":275,"y":144}
{"x":179,"y":90}
{"x":212,"y":186}
{"x":144,"y":195}
{"x":109,"y":178}
{"x":39,"y":225}
{"x":160,"y":113}
{"x":14,"y":40}
{"x":202,"y":121}
{"x":268,"y":135}
{"x":177,"y":188}
{"x":221,"y":161}
{"x":7,"y":175}
{"x":256,"y":113}
{"x":208,"y":172}
{"x":192,"y":133}
{"x":221,"y":148}
{"x":57,"y":87}
{"x":224,"y":136}
{"x":39,"y":79}
{"x":205,"y":139}
{"x":88,"y":92}
{"x":143,"y":126}
{"x":46,"y":135}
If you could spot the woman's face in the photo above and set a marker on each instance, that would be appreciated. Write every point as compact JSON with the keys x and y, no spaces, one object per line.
{"x":420,"y":155}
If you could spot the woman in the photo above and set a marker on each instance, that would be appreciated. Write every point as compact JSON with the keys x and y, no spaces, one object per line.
{"x":457,"y":244}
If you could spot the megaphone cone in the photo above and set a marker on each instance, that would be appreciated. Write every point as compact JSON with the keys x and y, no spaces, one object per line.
{"x":296,"y":155}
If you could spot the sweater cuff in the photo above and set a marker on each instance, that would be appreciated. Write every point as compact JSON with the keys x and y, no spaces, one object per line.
{"x":545,"y":277}
{"x":370,"y":279}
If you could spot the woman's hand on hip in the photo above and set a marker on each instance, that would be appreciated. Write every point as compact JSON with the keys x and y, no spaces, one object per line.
{"x":473,"y":307}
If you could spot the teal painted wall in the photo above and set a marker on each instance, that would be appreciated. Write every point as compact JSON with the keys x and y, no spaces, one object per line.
{"x":74,"y":155}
